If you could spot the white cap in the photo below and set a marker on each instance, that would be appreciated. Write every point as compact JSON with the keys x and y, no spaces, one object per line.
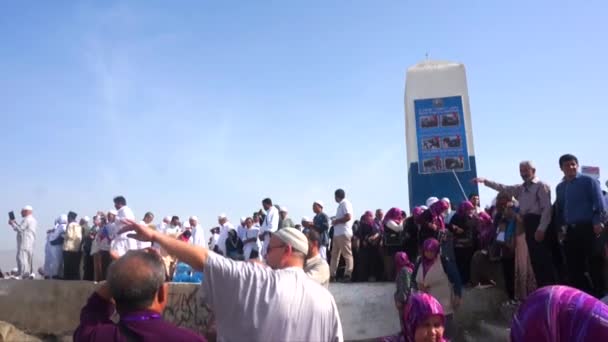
{"x":293,"y":237}
{"x":167,"y":218}
{"x":113,"y":212}
{"x":424,"y":207}
{"x":283,"y":209}
{"x":243,"y":219}
{"x":194,"y":218}
{"x":28,"y":208}
{"x":221,"y":216}
{"x":319,"y":203}
{"x":63,"y":219}
{"x":305,"y":218}
{"x":446,"y":199}
{"x":86,"y":219}
{"x":431,"y":200}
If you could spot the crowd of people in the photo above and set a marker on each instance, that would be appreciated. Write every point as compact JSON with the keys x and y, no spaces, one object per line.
{"x":522,"y":238}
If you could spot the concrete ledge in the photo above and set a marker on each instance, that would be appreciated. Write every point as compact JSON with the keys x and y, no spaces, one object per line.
{"x":52,"y":307}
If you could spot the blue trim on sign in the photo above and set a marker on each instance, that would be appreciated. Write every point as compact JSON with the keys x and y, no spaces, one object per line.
{"x":423,"y":186}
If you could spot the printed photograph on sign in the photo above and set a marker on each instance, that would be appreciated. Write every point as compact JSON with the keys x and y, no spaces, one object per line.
{"x":431,"y":143}
{"x":450,"y":119}
{"x":429,"y":121}
{"x":454,"y":163}
{"x":432,"y":165}
{"x":452,"y":141}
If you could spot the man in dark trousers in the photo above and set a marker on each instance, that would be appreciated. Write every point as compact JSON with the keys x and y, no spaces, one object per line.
{"x":534,"y":197}
{"x":580,"y":209}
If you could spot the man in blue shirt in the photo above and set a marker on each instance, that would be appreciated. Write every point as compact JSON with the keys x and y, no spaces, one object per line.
{"x":580,"y":208}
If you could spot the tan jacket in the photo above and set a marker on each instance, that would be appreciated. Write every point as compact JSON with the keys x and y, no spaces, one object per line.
{"x":318,"y":270}
{"x":73,"y":237}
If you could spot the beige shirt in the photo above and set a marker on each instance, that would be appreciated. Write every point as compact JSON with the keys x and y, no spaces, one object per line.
{"x":534,"y":197}
{"x":73,"y":237}
{"x":318,"y":270}
{"x":439,"y":285}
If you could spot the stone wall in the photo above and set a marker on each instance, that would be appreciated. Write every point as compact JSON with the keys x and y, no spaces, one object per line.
{"x":52,"y":307}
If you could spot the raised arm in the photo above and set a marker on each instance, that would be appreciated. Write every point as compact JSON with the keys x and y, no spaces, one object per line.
{"x":195,"y":256}
{"x":512,"y":190}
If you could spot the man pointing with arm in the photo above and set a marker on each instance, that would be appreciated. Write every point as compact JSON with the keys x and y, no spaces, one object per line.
{"x":534,"y":197}
{"x":280,"y":303}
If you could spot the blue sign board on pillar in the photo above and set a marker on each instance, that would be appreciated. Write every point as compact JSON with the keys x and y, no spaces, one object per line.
{"x":439,"y":133}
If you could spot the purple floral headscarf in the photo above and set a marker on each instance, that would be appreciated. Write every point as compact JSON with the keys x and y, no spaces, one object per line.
{"x":560,"y":314}
{"x":401,"y":261}
{"x":419,"y":307}
{"x":437,"y":210}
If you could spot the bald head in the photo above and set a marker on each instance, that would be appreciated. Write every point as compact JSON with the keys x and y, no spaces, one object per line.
{"x":135,"y":280}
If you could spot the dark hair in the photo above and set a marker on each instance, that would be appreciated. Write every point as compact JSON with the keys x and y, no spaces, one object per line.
{"x":267,"y":201}
{"x":120,"y":200}
{"x":134,"y":280}
{"x":340,"y":193}
{"x":149,"y":213}
{"x":313,"y":236}
{"x":254,"y":254}
{"x":472,"y":194}
{"x":72,"y":216}
{"x":566,"y":158}
{"x":175,"y":218}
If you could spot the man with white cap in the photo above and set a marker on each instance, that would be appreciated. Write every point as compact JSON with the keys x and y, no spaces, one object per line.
{"x":270,"y":224}
{"x":225,"y":227}
{"x":198,"y":235}
{"x":320,"y":223}
{"x":284,"y":221}
{"x":276,"y":303}
{"x":26,"y":235}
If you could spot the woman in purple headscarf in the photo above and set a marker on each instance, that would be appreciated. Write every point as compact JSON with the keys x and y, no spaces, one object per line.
{"x":432,"y":220}
{"x":393,"y":239}
{"x":463,"y":225}
{"x":438,"y":276}
{"x":423,"y":319}
{"x":560,"y":314}
{"x":371,"y":257}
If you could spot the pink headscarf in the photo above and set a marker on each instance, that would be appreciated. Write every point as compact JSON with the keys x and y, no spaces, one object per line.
{"x":433,"y":246}
{"x":437,"y":210}
{"x":464,"y":207}
{"x":394,"y":214}
{"x":419,"y":307}
{"x":403,"y":261}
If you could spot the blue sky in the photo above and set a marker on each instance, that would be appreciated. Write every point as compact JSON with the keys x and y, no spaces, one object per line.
{"x":208,"y":107}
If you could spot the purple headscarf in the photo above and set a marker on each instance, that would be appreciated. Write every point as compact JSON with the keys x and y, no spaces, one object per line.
{"x":433,"y":246}
{"x":487,"y":233}
{"x":464,"y":207}
{"x":419,"y":308}
{"x":394,"y":214}
{"x":368,"y":218}
{"x":417,"y":214}
{"x":401,"y":261}
{"x":437,"y":210}
{"x":560,"y":314}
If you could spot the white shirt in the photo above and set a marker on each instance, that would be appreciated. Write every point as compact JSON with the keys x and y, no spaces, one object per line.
{"x":344,"y":228}
{"x":198,"y":236}
{"x":241,"y":232}
{"x":121,"y":244}
{"x":269,"y":305}
{"x":224,"y":229}
{"x":271,"y":222}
